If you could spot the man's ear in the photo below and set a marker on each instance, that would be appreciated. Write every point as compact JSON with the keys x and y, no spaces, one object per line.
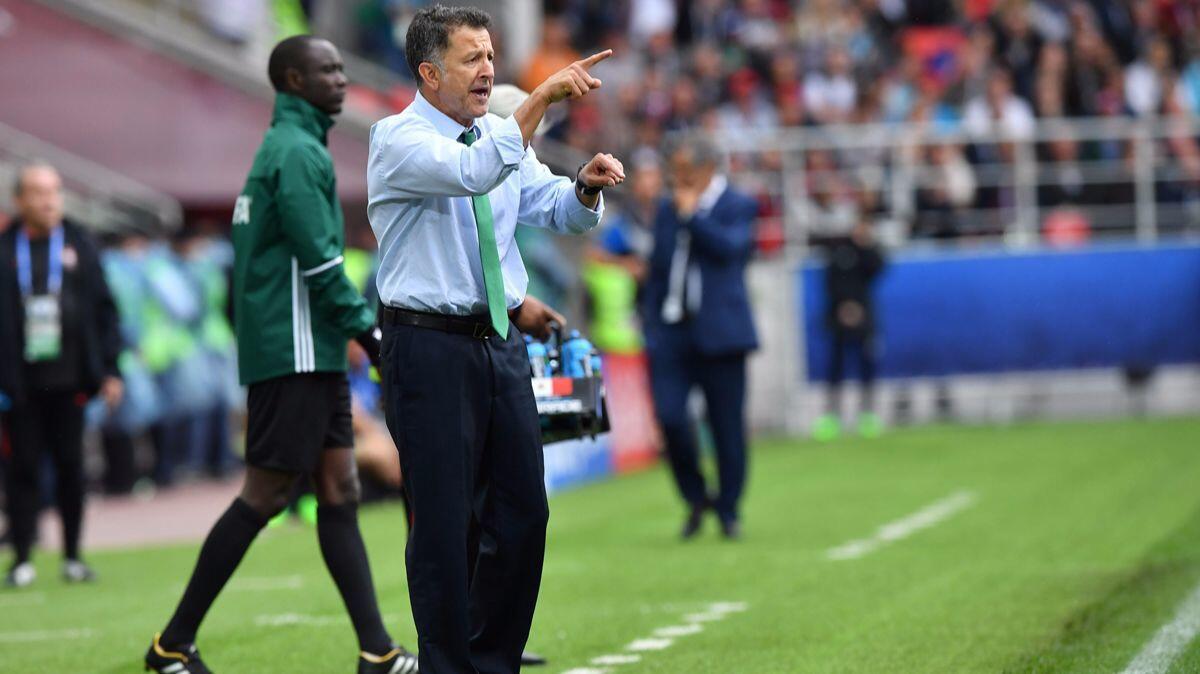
{"x":430,"y":75}
{"x":294,"y":80}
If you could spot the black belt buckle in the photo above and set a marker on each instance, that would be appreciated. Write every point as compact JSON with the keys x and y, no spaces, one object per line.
{"x":480,"y":330}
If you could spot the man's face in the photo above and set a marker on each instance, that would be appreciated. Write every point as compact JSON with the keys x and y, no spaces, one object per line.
{"x":40,"y":201}
{"x":322,"y":80}
{"x":687,"y":173}
{"x":465,"y":84}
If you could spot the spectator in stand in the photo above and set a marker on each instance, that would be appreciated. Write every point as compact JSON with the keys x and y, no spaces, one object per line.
{"x":616,"y":261}
{"x":1149,"y":78}
{"x":553,"y":54}
{"x":746,"y":110}
{"x":1000,"y":111}
{"x":59,"y":343}
{"x":830,"y":95}
{"x":854,"y":264}
{"x":946,"y":191}
{"x":1017,"y":45}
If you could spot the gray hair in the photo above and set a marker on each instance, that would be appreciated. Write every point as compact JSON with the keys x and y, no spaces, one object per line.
{"x":428,"y":35}
{"x":700,"y":148}
{"x":18,"y":184}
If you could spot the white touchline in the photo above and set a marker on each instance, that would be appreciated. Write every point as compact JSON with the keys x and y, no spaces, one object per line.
{"x":45,"y":635}
{"x":664,"y":637}
{"x":678,"y":630}
{"x":616,"y":659}
{"x":924,"y":518}
{"x":649,"y":644}
{"x":1170,"y":640}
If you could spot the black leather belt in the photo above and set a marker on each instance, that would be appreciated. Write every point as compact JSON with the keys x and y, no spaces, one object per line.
{"x":479,"y":327}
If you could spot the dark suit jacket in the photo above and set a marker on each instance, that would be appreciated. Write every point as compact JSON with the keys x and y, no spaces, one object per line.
{"x":722,"y":241}
{"x":100,"y":330}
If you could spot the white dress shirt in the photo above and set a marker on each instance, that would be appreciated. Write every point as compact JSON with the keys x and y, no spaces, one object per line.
{"x":420,"y":180}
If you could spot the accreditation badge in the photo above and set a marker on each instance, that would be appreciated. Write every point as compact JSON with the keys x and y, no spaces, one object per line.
{"x":43,"y":328}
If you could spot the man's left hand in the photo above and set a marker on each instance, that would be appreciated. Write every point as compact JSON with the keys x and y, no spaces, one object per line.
{"x":112,"y":389}
{"x":602,"y":171}
{"x":534,"y":317}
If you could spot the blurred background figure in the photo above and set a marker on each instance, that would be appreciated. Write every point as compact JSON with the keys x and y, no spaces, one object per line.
{"x":853,"y":266}
{"x":59,"y":342}
{"x":699,"y":326}
{"x":615,"y":263}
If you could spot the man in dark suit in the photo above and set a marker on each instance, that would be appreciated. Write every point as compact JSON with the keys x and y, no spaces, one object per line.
{"x":59,"y":344}
{"x":698,"y":324}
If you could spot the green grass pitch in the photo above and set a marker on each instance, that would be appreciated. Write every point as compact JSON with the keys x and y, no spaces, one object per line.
{"x":1081,"y":541}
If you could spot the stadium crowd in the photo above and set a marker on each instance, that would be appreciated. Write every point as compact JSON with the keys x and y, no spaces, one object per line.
{"x":985,"y":69}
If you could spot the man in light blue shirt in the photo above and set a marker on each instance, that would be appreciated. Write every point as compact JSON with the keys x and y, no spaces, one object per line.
{"x":447,"y":185}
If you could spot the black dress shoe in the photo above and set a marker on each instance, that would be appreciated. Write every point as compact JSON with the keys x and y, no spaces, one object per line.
{"x":731,"y":529}
{"x":691,"y":526}
{"x":528,"y":658}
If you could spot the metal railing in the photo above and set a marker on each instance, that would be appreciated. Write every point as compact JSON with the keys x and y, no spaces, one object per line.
{"x":1109,"y":176}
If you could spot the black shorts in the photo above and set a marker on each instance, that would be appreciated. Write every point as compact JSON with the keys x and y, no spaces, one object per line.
{"x":291,"y":419}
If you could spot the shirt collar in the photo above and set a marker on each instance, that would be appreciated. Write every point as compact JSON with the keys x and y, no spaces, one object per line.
{"x":296,"y":110}
{"x":440,"y":120}
{"x":716,"y":187}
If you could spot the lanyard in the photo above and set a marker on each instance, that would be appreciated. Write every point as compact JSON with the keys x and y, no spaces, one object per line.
{"x":54,"y":268}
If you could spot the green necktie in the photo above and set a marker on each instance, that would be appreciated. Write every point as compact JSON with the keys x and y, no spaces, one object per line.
{"x":489,"y":254}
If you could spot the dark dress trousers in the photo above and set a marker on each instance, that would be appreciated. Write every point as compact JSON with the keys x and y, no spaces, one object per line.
{"x":462,"y":413}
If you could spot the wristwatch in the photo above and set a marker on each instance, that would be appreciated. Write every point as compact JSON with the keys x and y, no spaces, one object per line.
{"x":584,"y":187}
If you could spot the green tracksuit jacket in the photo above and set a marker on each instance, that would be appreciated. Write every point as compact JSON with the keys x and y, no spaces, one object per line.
{"x":294,"y":308}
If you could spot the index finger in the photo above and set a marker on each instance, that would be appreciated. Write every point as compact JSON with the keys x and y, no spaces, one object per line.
{"x":595,"y":58}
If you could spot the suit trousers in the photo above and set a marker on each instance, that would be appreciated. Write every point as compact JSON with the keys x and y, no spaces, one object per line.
{"x":50,"y":422}
{"x":676,"y":368}
{"x":462,"y":413}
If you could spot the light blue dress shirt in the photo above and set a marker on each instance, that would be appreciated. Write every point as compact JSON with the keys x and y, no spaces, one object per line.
{"x":420,"y":180}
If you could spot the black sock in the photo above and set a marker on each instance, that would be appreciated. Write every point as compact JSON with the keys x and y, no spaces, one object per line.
{"x":346,"y":557}
{"x":221,"y":553}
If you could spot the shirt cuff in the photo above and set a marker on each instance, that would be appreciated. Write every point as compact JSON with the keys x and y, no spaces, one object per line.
{"x":509,"y":142}
{"x":578,"y":217}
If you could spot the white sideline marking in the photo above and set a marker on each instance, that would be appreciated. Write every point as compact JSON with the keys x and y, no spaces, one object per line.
{"x":664,"y":637}
{"x":649,"y":644}
{"x":45,"y":635}
{"x":924,"y":518}
{"x":261,"y":584}
{"x":678,"y":630}
{"x":616,"y":659}
{"x":1170,"y":640}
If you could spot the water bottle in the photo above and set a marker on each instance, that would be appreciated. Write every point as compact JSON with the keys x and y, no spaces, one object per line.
{"x":537,"y":356}
{"x":569,"y":356}
{"x":577,"y":356}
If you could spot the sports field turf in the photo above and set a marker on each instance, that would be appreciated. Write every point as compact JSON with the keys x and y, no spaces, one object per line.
{"x":1048,"y":547}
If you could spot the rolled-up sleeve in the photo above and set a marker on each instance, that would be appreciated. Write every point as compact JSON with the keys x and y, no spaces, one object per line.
{"x":410,"y":159}
{"x":549,"y":201}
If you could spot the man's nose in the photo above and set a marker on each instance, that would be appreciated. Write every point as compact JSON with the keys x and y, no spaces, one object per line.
{"x":489,"y":70}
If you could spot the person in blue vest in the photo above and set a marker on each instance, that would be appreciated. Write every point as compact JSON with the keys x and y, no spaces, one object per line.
{"x":699,"y":326}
